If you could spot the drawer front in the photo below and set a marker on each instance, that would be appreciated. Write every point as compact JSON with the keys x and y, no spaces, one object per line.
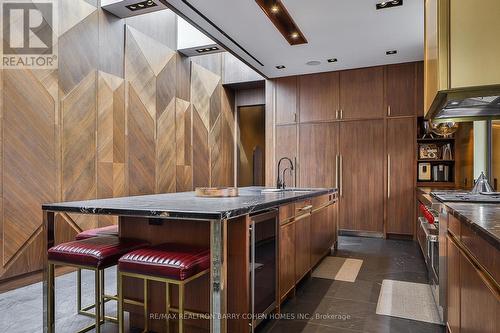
{"x":454,"y":226}
{"x":303,"y":207}
{"x":486,"y":254}
{"x":320,"y":201}
{"x":286,"y":213}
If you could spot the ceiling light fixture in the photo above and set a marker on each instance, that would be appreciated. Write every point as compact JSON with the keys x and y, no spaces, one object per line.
{"x":332,"y":60}
{"x":207,"y":49}
{"x":282,"y":20}
{"x":280,"y":67}
{"x":313,"y":63}
{"x":389,"y":4}
{"x":141,"y":5}
{"x":391,"y":52}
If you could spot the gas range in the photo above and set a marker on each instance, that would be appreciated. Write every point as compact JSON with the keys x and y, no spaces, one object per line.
{"x":455,"y":196}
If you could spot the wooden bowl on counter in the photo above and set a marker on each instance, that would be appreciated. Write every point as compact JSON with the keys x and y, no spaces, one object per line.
{"x":216,"y":192}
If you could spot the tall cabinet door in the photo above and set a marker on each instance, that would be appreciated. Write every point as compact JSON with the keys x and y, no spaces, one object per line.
{"x":400,"y":89}
{"x":362,"y":93}
{"x":361,"y":180}
{"x":401,"y":175}
{"x":286,"y":100}
{"x":286,"y":146}
{"x":317,"y":155}
{"x":319,"y":96}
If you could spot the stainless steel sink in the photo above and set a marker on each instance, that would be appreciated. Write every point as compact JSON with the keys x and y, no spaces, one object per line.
{"x":280,"y":190}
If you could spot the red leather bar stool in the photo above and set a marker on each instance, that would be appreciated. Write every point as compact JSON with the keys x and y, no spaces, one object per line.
{"x":170,"y":263}
{"x":98,"y":232}
{"x":94,"y":254}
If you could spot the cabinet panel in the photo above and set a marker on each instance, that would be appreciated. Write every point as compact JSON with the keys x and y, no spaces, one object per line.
{"x":287,"y":258}
{"x":321,"y":234}
{"x":302,"y":247}
{"x":453,"y":289}
{"x":362,"y":176}
{"x":286,"y":146}
{"x":479,"y":307}
{"x":362,"y":93}
{"x":400,"y":89}
{"x":319,"y":96}
{"x":472,"y":25}
{"x":401,"y":165}
{"x":286,"y":100}
{"x":318,"y":150}
{"x":420,"y":90}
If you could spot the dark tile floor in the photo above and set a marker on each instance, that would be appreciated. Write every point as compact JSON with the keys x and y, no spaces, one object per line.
{"x":327,"y":306}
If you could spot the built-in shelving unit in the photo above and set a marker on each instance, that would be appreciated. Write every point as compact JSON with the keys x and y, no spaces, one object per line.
{"x":438,"y":171}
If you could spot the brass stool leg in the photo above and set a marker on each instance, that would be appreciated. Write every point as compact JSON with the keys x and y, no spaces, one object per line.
{"x":101,"y":281}
{"x":121,"y":324}
{"x":146,"y":310}
{"x":79,"y":289}
{"x":97,"y":302}
{"x":51,"y":299}
{"x":181,"y":308}
{"x":167,"y":301}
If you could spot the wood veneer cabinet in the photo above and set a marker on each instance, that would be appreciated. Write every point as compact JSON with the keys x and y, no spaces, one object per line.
{"x":321,"y":233}
{"x":400,"y":89}
{"x":287,"y":259}
{"x":362,"y":93}
{"x":319,"y":96}
{"x":286,"y":100}
{"x":401,"y":133}
{"x":479,"y":306}
{"x":302,"y":246}
{"x":361,"y":179}
{"x":453,"y":288}
{"x":318,"y":151}
{"x":286,"y":146}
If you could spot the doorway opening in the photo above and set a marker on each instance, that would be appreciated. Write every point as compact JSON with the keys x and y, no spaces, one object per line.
{"x":251,"y":145}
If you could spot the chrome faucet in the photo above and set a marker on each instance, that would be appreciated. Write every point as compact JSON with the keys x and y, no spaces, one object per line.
{"x":280,"y":183}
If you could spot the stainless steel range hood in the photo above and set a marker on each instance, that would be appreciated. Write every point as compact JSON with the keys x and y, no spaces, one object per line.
{"x":467,"y":104}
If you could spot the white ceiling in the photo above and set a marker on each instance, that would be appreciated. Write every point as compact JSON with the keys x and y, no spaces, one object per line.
{"x":350,"y":30}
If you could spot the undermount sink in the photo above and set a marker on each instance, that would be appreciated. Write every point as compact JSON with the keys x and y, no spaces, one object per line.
{"x":281,"y":190}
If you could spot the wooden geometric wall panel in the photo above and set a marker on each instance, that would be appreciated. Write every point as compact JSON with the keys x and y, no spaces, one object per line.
{"x":29,"y":168}
{"x":216,"y":155}
{"x":183,"y":131}
{"x":166,"y":150}
{"x":110,"y":136}
{"x":141,"y":147}
{"x":77,"y":52}
{"x":203,"y":84}
{"x":165,"y":87}
{"x":73,"y":12}
{"x":201,"y":153}
{"x":79,"y":111}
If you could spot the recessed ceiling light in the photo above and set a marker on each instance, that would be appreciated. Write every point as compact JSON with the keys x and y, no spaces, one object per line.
{"x":141,"y":5}
{"x":389,"y":4}
{"x":332,"y":60}
{"x":275,"y":9}
{"x":295,"y":35}
{"x":391,"y":52}
{"x":280,"y":67}
{"x":313,"y":63}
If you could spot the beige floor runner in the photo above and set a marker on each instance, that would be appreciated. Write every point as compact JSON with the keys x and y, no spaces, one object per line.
{"x":340,"y":269}
{"x":407,"y":300}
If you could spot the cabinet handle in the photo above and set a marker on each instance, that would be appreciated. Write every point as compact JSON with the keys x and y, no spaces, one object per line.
{"x":295,"y":117}
{"x":337,"y":170}
{"x":388,"y":110}
{"x":337,"y":114}
{"x":388,"y":176}
{"x":341,"y":114}
{"x":308,"y":207}
{"x":341,"y":185}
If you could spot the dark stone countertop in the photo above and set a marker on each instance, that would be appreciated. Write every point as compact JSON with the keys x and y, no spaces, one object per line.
{"x":186,"y":205}
{"x":483,"y":218}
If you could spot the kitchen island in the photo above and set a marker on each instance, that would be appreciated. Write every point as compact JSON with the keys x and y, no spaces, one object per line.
{"x":225,"y":225}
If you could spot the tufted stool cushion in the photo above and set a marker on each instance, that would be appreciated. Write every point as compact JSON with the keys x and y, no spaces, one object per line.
{"x":170,"y":260}
{"x":98,"y":252}
{"x":112,"y":230}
